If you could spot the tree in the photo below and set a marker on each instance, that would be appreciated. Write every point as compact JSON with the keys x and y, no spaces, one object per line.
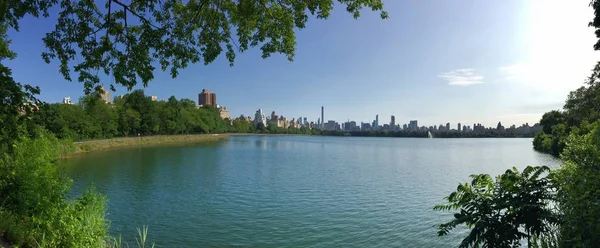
{"x":550,"y":119}
{"x":503,"y":212}
{"x":126,"y":41}
{"x":579,"y":190}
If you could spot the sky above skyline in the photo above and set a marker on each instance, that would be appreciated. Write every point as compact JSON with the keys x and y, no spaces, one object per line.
{"x":435,"y":61}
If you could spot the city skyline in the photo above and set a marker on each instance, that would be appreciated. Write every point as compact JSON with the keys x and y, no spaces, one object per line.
{"x":490,"y":64}
{"x":411,"y":125}
{"x":208,"y":98}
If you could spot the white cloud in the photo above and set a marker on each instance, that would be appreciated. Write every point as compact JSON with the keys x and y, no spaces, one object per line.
{"x":462,"y":77}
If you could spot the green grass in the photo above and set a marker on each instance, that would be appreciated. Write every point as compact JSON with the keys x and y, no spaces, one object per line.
{"x":95,"y":145}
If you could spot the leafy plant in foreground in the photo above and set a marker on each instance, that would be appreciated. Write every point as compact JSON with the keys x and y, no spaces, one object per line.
{"x":502,"y":213}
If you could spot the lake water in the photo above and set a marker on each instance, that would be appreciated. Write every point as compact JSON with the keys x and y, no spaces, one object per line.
{"x":293,"y":191}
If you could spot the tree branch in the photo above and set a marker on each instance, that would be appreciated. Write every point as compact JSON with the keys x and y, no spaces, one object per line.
{"x":134,"y":13}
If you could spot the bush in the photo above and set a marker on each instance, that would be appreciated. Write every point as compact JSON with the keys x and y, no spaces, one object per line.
{"x":579,"y":190}
{"x":34,"y":208}
{"x":503,"y":212}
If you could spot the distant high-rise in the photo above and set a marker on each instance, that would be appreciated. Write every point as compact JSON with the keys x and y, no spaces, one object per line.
{"x":365,"y":126}
{"x":207,"y":99}
{"x":458,"y":127}
{"x":322,"y":117}
{"x":393,"y":122}
{"x":376,"y":123}
{"x":413,"y":125}
{"x":104,"y":94}
{"x":448,"y":126}
{"x":213,"y":99}
{"x":259,"y":117}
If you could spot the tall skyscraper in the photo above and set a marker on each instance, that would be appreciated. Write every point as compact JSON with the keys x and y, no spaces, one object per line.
{"x":207,"y":99}
{"x":376,"y":123}
{"x":322,"y":117}
{"x":393,"y":122}
{"x":459,"y":127}
{"x":448,"y":126}
{"x":413,"y":125}
{"x":259,"y":117}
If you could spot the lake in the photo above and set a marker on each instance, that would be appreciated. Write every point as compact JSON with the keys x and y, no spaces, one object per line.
{"x":293,"y":191}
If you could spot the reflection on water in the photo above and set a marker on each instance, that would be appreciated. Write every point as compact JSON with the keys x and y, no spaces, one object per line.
{"x":293,"y":191}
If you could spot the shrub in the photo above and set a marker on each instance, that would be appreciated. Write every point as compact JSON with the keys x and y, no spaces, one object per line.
{"x":33,"y":205}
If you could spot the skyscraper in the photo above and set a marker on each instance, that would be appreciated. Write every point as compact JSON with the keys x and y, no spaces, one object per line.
{"x":413,"y":125}
{"x":459,"y":127}
{"x":322,"y":117}
{"x":376,"y":123}
{"x":448,"y":126}
{"x":393,"y":123}
{"x":207,"y":99}
{"x":259,"y":117}
{"x":213,"y":99}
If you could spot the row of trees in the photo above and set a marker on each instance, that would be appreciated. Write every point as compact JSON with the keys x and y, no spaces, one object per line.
{"x":136,"y":113}
{"x":131,"y":114}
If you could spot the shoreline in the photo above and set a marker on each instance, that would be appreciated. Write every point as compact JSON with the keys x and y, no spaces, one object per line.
{"x":81,"y":147}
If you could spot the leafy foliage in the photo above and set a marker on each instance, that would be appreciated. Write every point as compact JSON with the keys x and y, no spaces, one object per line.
{"x":129,"y":115}
{"x":579,"y":190}
{"x":33,"y":199}
{"x":127,"y":40}
{"x":501,"y":213}
{"x":581,"y":108}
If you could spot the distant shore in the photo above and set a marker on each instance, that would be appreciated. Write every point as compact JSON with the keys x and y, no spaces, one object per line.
{"x":121,"y":142}
{"x":96,"y":145}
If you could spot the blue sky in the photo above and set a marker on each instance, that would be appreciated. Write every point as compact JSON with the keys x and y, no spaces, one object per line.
{"x":434,"y":61}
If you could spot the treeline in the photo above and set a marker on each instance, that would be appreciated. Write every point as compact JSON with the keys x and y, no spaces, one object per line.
{"x":136,"y":113}
{"x":490,"y":133}
{"x":581,"y":110}
{"x":129,"y":115}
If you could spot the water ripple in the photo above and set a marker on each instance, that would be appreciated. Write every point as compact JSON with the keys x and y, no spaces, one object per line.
{"x":293,"y":191}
